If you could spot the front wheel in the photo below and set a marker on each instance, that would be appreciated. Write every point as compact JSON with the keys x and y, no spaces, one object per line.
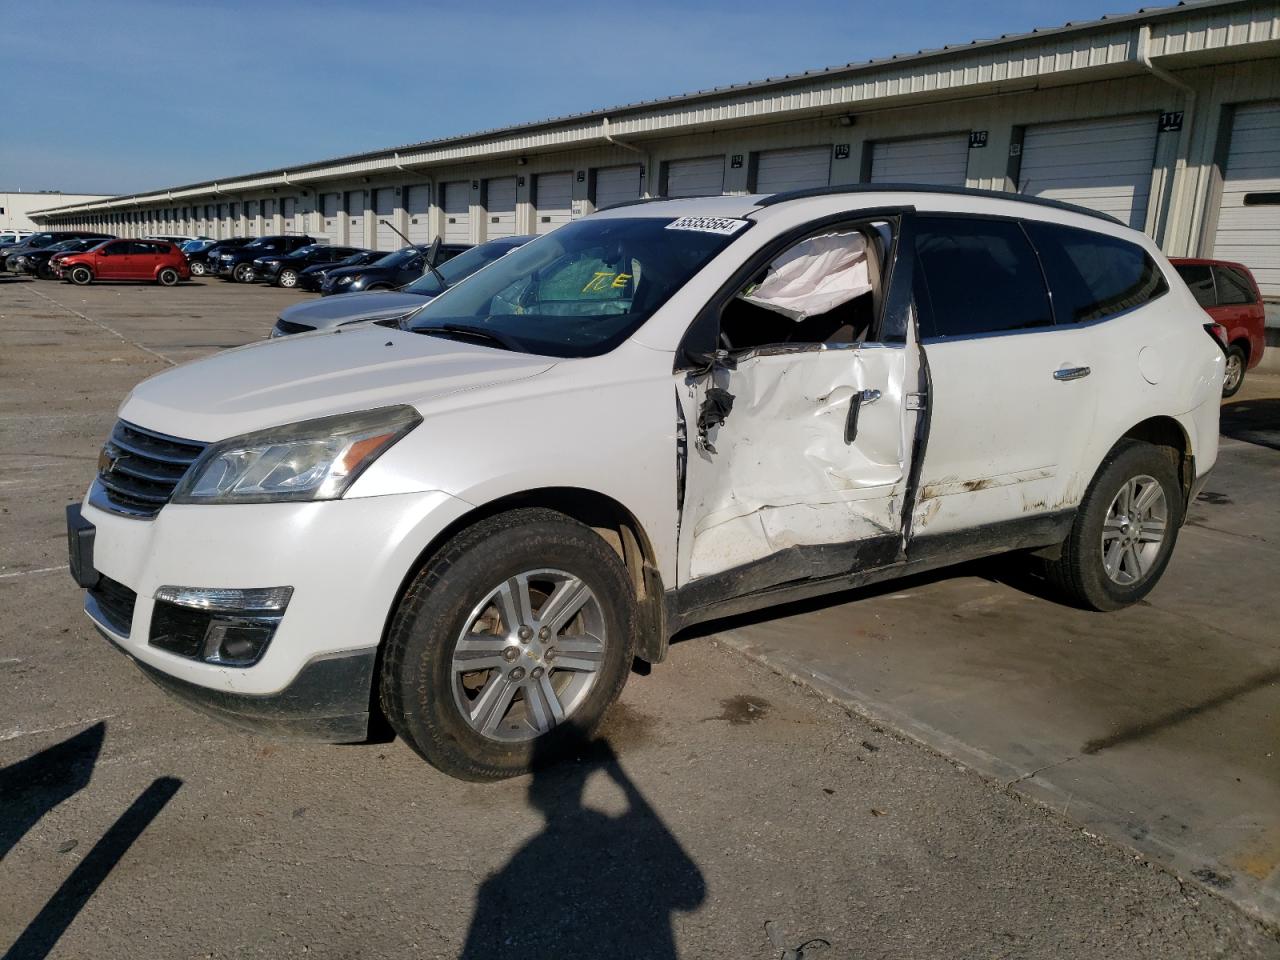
{"x":1233,"y":376}
{"x":243,"y":273}
{"x":197,"y":268}
{"x":377,"y":286}
{"x":1124,"y":529}
{"x":167,"y":277}
{"x":509,"y":645}
{"x":288,"y":278}
{"x":81,"y":276}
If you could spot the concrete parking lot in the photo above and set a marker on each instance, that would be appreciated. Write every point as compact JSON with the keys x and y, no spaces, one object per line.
{"x":997,"y":775}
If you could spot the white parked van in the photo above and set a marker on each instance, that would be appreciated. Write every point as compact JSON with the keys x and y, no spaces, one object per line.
{"x":653,"y":416}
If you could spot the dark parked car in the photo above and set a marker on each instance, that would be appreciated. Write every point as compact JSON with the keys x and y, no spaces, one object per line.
{"x":38,"y":241}
{"x":312,"y":278}
{"x":282,"y":269}
{"x":391,"y":305}
{"x":237,"y":264}
{"x":393,"y":270}
{"x":199,"y":260}
{"x":1230,"y":295}
{"x":36,"y":262}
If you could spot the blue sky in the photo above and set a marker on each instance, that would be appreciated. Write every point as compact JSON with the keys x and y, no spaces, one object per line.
{"x":123,"y":95}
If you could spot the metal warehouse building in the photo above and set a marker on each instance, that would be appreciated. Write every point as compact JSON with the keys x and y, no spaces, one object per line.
{"x":1168,"y":119}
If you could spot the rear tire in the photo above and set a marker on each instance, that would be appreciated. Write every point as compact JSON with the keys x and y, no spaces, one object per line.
{"x":197,"y":269}
{"x":243,"y":273}
{"x":493,"y":717}
{"x":167,"y":277}
{"x":1112,"y":557}
{"x":1233,"y":378}
{"x":81,"y":276}
{"x":288,"y":278}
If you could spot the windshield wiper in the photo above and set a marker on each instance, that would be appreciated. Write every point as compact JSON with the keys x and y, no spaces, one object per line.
{"x":479,"y":333}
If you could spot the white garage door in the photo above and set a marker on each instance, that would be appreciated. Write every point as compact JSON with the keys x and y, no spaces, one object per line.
{"x":617,"y":185}
{"x":703,"y":177}
{"x":500,"y":205}
{"x":418,"y":205}
{"x":937,"y":161}
{"x":1249,"y":221}
{"x":1101,"y":164}
{"x":251,"y":215}
{"x":384,"y":200}
{"x":289,"y":211}
{"x":457,"y":212}
{"x":553,"y":201}
{"x":355,"y":218}
{"x":779,"y":170}
{"x":331,"y":226}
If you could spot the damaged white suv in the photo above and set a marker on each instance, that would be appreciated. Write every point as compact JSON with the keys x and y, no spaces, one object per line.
{"x":473,"y":521}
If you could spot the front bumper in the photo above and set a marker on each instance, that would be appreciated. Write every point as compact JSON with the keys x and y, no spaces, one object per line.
{"x":345,"y":561}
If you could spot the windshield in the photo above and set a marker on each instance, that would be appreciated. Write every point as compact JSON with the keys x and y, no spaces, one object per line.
{"x":582,"y":289}
{"x":195,"y":246}
{"x":39,"y":240}
{"x":399,"y":258}
{"x":457,"y":268}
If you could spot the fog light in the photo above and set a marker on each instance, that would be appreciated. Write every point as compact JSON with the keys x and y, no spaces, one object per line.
{"x":223,"y":626}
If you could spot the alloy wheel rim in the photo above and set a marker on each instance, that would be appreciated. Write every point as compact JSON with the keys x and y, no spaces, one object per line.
{"x":1235,"y":369}
{"x":528,"y":655}
{"x":288,"y":278}
{"x":1134,"y":530}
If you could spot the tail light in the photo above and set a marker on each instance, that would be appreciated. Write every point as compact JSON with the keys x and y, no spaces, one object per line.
{"x":1219,"y":334}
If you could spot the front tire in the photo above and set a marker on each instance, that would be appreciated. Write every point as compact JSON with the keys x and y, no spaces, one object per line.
{"x":1233,"y":376}
{"x":288,"y":278}
{"x":1124,"y":530}
{"x":81,"y":276}
{"x":508,"y":645}
{"x":243,"y":273}
{"x":167,"y":277}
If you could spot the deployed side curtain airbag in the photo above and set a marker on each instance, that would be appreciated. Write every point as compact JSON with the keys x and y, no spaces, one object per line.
{"x":814,"y":276}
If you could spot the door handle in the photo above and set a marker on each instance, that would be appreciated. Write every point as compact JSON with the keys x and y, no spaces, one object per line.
{"x":1072,"y":373}
{"x":855,"y":406}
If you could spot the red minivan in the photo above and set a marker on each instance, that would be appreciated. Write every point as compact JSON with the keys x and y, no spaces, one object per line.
{"x":1230,"y":295}
{"x":156,"y":260}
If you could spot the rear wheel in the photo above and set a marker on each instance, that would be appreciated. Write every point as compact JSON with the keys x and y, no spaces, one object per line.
{"x":243,"y":273}
{"x":168,"y":277}
{"x":81,"y":276}
{"x":1124,"y":530}
{"x":1233,"y":377}
{"x":509,"y":645}
{"x":197,"y":268}
{"x":288,"y":278}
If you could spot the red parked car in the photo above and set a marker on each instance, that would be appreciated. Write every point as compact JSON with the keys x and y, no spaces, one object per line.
{"x":1230,"y":295}
{"x":156,"y":260}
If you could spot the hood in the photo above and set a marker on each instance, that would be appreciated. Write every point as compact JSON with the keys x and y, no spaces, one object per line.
{"x":281,"y":381}
{"x":348,"y":307}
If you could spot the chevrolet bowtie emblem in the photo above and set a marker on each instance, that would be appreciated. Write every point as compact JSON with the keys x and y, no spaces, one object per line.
{"x":107,"y":461}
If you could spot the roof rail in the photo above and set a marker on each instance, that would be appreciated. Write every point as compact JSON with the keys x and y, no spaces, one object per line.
{"x":777,"y":198}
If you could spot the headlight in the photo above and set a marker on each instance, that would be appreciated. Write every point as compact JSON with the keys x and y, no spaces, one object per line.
{"x":347,"y":279}
{"x":312,"y":460}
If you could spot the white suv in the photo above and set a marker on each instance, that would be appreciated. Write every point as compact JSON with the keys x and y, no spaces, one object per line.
{"x":657,"y":415}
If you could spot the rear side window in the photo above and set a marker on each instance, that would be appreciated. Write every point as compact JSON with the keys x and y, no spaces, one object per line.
{"x":977,"y":276}
{"x":1094,"y":276}
{"x":1200,"y":281}
{"x":1233,"y":289}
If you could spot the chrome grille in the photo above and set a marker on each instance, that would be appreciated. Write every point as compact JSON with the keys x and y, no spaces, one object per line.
{"x":138,"y":470}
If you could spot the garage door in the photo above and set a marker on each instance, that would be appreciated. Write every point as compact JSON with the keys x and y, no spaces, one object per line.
{"x":780,"y":170}
{"x":418,"y":205}
{"x":703,"y":177}
{"x":553,"y":200}
{"x":1101,"y":164}
{"x":938,"y":161}
{"x":289,"y":213}
{"x":331,"y":226}
{"x":616,"y":185}
{"x":1249,"y":221}
{"x":251,"y":215}
{"x":355,"y":218}
{"x":268,"y":216}
{"x":384,"y":201}
{"x":500,"y":207}
{"x":457,"y":212}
